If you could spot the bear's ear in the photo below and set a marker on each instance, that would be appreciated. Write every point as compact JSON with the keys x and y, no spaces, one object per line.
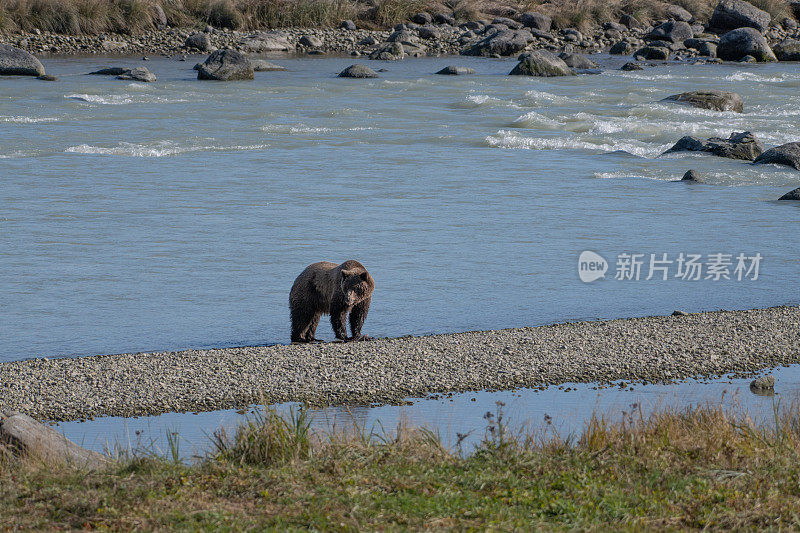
{"x":365,"y":276}
{"x":347,"y":273}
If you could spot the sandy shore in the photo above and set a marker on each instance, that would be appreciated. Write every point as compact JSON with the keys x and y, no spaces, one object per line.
{"x":651,"y":349}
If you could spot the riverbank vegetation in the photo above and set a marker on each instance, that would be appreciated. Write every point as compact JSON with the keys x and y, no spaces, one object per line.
{"x":701,"y":468}
{"x":75,"y":17}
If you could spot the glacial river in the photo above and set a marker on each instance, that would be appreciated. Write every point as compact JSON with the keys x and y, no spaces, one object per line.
{"x":176,"y":214}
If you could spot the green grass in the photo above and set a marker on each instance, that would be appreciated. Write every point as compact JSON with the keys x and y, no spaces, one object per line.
{"x":695,"y":469}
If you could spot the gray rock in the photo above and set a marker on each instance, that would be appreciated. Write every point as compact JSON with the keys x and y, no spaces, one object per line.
{"x":512,"y":24}
{"x":678,"y":312}
{"x":310,"y":41}
{"x":444,"y":18}
{"x":763,"y":382}
{"x":138,"y":74}
{"x":736,"y":44}
{"x":456,"y":71}
{"x":678,"y":13}
{"x":572,"y":35}
{"x":536,"y":21}
{"x":422,"y":19}
{"x":260,"y":65}
{"x":622,"y":48}
{"x":742,"y":146}
{"x":358,"y":71}
{"x":47,"y":77}
{"x":110,"y":71}
{"x":786,"y":154}
{"x":198,"y":41}
{"x":631,"y":22}
{"x":501,"y":43}
{"x":429,"y":33}
{"x":691,"y":175}
{"x":630,"y":66}
{"x":541,"y":63}
{"x":733,"y":14}
{"x":226,"y":65}
{"x":348,"y":25}
{"x":27,"y":437}
{"x":715,"y":100}
{"x":17,"y":62}
{"x":267,"y":42}
{"x":748,"y":59}
{"x":787,"y":50}
{"x":389,"y":52}
{"x":708,"y":49}
{"x":578,"y":61}
{"x":652,"y":53}
{"x":615,"y":26}
{"x":369,"y":40}
{"x":673,"y":31}
{"x":791,"y":195}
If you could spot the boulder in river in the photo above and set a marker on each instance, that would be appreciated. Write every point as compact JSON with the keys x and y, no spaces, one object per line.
{"x":736,"y":44}
{"x":786,"y":154}
{"x":110,"y":71}
{"x":791,"y":195}
{"x":456,"y":71}
{"x":787,"y":50}
{"x":652,"y":53}
{"x":17,"y":62}
{"x":715,"y":100}
{"x":502,"y":43}
{"x":138,"y":74}
{"x":226,"y":65}
{"x":631,"y":66}
{"x":25,"y":436}
{"x":261,"y":65}
{"x":743,"y":146}
{"x":358,"y":71}
{"x":733,"y":14}
{"x":763,"y":382}
{"x":673,"y":31}
{"x":577,"y":61}
{"x":692,"y":175}
{"x":541,"y":63}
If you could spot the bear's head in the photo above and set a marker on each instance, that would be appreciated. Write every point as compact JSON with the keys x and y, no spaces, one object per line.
{"x":357,"y":285}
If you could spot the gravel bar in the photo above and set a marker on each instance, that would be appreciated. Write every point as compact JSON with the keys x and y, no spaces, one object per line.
{"x":650,"y":349}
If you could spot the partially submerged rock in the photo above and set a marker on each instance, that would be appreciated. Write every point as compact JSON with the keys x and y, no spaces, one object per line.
{"x":110,"y":71}
{"x":578,"y":61}
{"x":715,"y":100}
{"x":786,"y":154}
{"x":456,"y":71}
{"x":691,"y":175}
{"x":763,"y":382}
{"x":791,"y":195}
{"x":652,"y":53}
{"x":631,"y":65}
{"x":226,"y":65}
{"x":358,"y":71}
{"x":736,"y":44}
{"x":743,"y":146}
{"x":261,"y":65}
{"x":138,"y":74}
{"x":541,"y":63}
{"x":25,"y":436}
{"x":17,"y":62}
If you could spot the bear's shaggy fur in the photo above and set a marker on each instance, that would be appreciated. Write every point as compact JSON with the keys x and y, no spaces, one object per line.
{"x":328,"y":288}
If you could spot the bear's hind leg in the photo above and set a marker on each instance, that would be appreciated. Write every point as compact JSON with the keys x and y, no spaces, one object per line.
{"x":301,"y":322}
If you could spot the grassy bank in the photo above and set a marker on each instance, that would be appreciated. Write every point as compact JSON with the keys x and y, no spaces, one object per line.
{"x":696,"y":469}
{"x":135,"y":16}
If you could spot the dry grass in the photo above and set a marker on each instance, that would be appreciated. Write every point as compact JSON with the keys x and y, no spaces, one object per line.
{"x":136,"y":16}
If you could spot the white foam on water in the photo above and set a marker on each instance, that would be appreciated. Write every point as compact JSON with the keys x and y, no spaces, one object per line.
{"x":543,"y":97}
{"x":534,"y":120}
{"x":123,"y":99}
{"x":759,"y":78}
{"x":158,"y":149}
{"x":616,"y":175}
{"x":303,"y":129}
{"x":27,"y":120}
{"x":474,"y":101}
{"x":513,"y":140}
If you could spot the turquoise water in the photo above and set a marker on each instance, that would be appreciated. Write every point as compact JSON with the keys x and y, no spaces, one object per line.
{"x":176,"y":214}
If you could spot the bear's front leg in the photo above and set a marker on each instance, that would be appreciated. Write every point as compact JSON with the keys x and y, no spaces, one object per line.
{"x":357,"y":317}
{"x":339,"y":318}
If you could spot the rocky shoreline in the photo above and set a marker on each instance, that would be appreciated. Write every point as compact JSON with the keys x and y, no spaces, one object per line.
{"x":651,"y":349}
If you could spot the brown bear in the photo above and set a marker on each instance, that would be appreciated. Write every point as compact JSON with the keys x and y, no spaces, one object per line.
{"x":328,"y":288}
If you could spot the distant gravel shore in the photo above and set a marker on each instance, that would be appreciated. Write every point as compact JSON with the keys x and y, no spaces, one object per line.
{"x":651,"y":349}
